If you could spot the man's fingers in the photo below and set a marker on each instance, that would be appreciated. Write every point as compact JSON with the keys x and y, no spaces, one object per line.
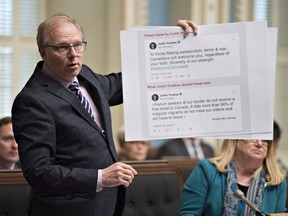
{"x":118,"y":174}
{"x":186,"y":24}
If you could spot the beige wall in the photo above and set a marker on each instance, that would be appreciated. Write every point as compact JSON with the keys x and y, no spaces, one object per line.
{"x":91,"y":17}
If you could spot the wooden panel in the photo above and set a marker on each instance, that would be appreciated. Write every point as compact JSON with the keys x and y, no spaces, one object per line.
{"x":184,"y":164}
{"x":156,"y":167}
{"x":12,"y":177}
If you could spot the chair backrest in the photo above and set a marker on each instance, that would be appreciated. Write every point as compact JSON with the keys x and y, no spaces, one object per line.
{"x":184,"y":164}
{"x":155,"y":190}
{"x":14,"y":193}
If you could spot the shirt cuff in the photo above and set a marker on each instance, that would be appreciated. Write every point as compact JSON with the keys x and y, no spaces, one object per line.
{"x":99,"y":181}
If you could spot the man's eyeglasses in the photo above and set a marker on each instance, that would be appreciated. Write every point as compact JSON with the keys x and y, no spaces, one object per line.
{"x":264,"y":142}
{"x":64,"y":49}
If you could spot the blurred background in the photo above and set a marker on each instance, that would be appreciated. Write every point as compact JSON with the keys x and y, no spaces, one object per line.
{"x":102,"y":21}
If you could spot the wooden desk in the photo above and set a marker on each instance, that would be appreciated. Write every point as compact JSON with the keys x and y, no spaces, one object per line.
{"x":279,"y":214}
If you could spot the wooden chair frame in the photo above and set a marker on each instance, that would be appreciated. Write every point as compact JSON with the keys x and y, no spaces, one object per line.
{"x":142,"y":167}
{"x":12,"y":177}
{"x":152,"y":167}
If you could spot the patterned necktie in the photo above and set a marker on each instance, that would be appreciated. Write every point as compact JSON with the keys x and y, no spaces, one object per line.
{"x":74,"y":87}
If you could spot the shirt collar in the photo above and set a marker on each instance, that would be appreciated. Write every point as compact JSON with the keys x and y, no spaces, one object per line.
{"x":12,"y":166}
{"x":61,"y":81}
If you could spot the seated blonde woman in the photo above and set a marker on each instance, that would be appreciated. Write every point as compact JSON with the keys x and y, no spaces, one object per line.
{"x":246,"y":165}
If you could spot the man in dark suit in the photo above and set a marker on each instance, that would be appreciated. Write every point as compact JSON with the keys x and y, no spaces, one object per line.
{"x":9,"y":158}
{"x":190,"y":147}
{"x":66,"y":148}
{"x":66,"y":154}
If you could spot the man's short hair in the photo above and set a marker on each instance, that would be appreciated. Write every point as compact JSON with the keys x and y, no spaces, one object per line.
{"x":5,"y":120}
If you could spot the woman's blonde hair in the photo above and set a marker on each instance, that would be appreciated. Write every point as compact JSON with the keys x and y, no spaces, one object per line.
{"x":273,"y":173}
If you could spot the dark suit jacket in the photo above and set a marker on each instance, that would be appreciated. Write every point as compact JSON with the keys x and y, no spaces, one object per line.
{"x":176,"y":147}
{"x":61,"y":148}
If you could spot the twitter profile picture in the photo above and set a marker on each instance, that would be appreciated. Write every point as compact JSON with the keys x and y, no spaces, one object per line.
{"x":153,"y":45}
{"x":155,"y":97}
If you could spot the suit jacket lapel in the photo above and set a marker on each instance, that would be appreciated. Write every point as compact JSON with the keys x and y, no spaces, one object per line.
{"x":98,"y":99}
{"x":102,"y":105}
{"x":57,"y":89}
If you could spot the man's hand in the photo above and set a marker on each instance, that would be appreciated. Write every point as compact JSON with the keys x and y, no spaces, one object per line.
{"x":186,"y":24}
{"x":118,"y":174}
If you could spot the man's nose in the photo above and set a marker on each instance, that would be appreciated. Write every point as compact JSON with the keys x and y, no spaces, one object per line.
{"x":14,"y":144}
{"x":72,"y":51}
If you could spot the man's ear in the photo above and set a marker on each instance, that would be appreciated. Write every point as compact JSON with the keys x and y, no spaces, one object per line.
{"x":42,"y":52}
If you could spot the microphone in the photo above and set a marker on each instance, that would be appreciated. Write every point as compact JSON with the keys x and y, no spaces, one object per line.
{"x":240,"y":195}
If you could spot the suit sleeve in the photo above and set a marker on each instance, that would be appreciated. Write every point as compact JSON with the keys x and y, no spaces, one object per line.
{"x":281,"y":197}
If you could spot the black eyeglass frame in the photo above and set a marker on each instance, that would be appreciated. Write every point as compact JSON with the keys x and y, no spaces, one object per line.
{"x":264,"y":142}
{"x":66,"y":48}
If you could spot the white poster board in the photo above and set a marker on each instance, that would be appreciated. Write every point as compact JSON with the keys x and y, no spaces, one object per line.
{"x":215,"y":84}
